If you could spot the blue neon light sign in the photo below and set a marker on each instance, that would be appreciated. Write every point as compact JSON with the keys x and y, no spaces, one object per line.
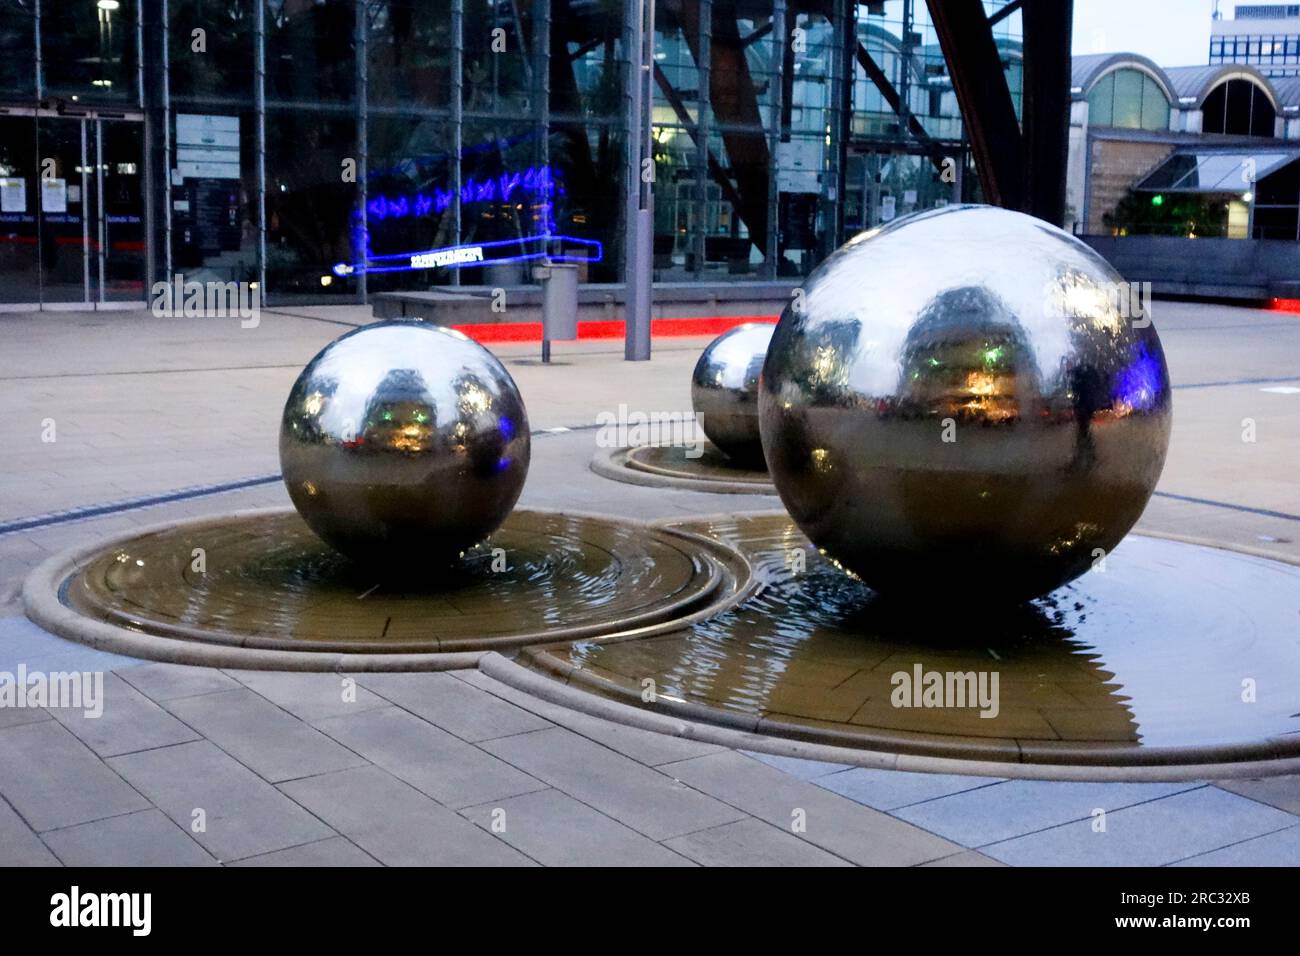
{"x":571,"y":249}
{"x":536,"y":181}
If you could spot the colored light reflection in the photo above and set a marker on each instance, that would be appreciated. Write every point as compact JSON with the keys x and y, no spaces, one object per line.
{"x":1138,"y":386}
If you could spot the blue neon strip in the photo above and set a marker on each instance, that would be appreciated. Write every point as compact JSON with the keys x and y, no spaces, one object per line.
{"x":593,"y":244}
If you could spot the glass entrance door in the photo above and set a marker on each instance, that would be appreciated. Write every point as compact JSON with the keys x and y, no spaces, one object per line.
{"x":20,"y":280}
{"x":71,"y":211}
{"x":61,"y":200}
{"x":119,"y":271}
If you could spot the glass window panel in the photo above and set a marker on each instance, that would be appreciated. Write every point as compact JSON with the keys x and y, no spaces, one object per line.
{"x":586,"y":76}
{"x":498,"y":79}
{"x":17,"y":47}
{"x":1128,"y":99}
{"x":409,"y":191}
{"x":1155,"y":108}
{"x":310,"y":53}
{"x":1101,"y":101}
{"x":1171,"y":172}
{"x":408,"y":53}
{"x":201,"y":67}
{"x":1220,"y":172}
{"x":89,"y":51}
{"x":309,"y":208}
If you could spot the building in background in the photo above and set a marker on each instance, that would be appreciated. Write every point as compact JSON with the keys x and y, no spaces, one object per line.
{"x":1263,"y":35}
{"x":300,"y":144}
{"x":1207,"y":151}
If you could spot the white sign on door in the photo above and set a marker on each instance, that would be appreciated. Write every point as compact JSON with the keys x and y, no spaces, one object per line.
{"x":13,"y":195}
{"x":54,"y":195}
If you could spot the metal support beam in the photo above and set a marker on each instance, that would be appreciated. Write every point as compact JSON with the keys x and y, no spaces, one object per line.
{"x":259,"y":96}
{"x":457,"y":118}
{"x":1046,"y":106}
{"x":988,"y":113}
{"x":704,"y":161}
{"x":361,"y":230}
{"x":541,"y":95}
{"x":832,"y":207}
{"x":165,"y":126}
{"x":638,"y":258}
{"x":776,"y":88}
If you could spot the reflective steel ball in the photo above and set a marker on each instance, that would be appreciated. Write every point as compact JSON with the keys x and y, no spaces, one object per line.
{"x":724,"y":390}
{"x":965,"y":402}
{"x":404,"y":442}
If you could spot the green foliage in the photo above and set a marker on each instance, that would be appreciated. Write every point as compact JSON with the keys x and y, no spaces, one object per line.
{"x":1180,"y":214}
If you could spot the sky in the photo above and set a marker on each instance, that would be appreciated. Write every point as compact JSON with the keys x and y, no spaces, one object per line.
{"x":1171,"y":32}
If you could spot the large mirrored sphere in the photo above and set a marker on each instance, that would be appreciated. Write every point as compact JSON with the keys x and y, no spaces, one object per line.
{"x":965,"y":402}
{"x":404,"y":442}
{"x":724,"y":390}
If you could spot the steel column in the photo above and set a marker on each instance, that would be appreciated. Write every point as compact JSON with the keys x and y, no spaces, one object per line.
{"x":638,"y":256}
{"x":776,"y":90}
{"x":362,"y":227}
{"x":259,"y":106}
{"x":457,"y":117}
{"x":703,"y":126}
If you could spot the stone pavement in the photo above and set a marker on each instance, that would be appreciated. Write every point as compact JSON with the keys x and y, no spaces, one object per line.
{"x":194,"y":766}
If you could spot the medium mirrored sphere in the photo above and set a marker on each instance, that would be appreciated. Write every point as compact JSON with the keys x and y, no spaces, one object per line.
{"x":724,"y":390}
{"x":404,"y":442}
{"x":965,"y":402}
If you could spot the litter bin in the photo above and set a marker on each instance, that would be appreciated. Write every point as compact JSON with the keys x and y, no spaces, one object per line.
{"x":559,"y":304}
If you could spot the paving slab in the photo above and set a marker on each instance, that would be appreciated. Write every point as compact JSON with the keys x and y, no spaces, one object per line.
{"x":16,"y":716}
{"x":310,"y":697}
{"x":19,"y":844}
{"x":1280,"y":792}
{"x":969,"y":858}
{"x":245,"y":815}
{"x":797,"y":766}
{"x":650,"y":802}
{"x":453,"y":772}
{"x":22,"y":642}
{"x":396,"y":824}
{"x":146,"y":838}
{"x":1279,"y":848}
{"x":847,"y":829}
{"x":750,"y":843}
{"x":1148,"y":834}
{"x":466,"y":711}
{"x":129,"y":721}
{"x":1015,"y":807}
{"x":261,"y":736}
{"x":162,"y":682}
{"x":336,"y":851}
{"x":892,"y":789}
{"x":556,"y":830}
{"x":643,"y":746}
{"x":54,"y":780}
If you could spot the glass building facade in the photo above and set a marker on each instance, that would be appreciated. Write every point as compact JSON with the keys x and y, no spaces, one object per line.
{"x":332,"y":149}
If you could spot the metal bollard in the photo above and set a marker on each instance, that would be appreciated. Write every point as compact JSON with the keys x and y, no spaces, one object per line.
{"x":559,"y":304}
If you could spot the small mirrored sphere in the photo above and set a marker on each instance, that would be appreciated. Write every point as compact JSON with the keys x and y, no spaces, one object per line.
{"x":404,"y":442}
{"x":724,"y":390}
{"x":965,"y":402}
